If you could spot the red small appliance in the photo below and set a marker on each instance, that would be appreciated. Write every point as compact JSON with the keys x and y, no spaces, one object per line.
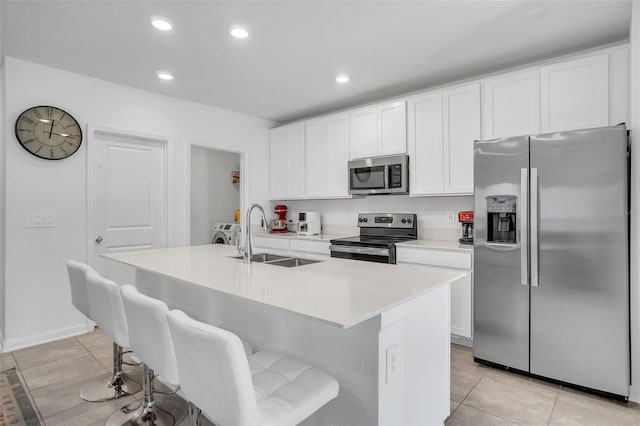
{"x":466,"y":219}
{"x":279,"y":226}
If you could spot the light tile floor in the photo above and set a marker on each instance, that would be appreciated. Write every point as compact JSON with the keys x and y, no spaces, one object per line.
{"x":480,"y":395}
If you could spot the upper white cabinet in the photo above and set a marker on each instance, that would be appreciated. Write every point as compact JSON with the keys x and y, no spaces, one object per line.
{"x":511,"y":105}
{"x":461,"y":117}
{"x":378,"y":130}
{"x":327,"y":153}
{"x":287,"y":162}
{"x":575,"y":94}
{"x":426,"y":150}
{"x":442,"y":129}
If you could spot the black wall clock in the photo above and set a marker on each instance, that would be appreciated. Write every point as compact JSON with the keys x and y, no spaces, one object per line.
{"x":48,"y":132}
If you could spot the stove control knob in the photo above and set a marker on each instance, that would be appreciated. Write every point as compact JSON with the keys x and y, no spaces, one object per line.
{"x":365,"y":220}
{"x":404,"y":220}
{"x":409,"y":220}
{"x":360,"y":219}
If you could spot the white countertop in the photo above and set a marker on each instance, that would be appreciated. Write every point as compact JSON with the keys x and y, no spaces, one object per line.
{"x":295,"y":236}
{"x":339,"y":291}
{"x":450,"y":245}
{"x":437,"y":245}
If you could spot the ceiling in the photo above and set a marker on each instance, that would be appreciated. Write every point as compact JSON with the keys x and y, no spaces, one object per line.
{"x":286,"y":69}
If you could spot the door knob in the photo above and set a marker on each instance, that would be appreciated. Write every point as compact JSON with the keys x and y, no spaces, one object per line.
{"x":99,"y":239}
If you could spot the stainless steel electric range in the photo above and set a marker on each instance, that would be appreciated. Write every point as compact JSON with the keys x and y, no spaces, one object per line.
{"x":379,"y":232}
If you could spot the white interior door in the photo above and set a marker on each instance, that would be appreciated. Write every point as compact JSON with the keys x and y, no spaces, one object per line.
{"x":127,"y":196}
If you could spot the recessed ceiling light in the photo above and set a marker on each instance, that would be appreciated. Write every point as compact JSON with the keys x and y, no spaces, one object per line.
{"x":342,"y":78}
{"x":162,"y":24}
{"x":263,"y":102}
{"x":164,"y":76}
{"x":536,"y":13}
{"x":239,"y":32}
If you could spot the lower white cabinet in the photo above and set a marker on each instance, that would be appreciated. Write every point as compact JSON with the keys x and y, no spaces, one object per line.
{"x":295,"y":244}
{"x":461,"y":290}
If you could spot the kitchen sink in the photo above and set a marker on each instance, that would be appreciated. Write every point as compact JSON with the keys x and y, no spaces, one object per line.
{"x":276,"y":259}
{"x":262,"y":257}
{"x":293,"y":262}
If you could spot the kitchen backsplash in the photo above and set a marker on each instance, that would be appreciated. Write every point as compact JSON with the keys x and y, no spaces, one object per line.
{"x":340,"y":216}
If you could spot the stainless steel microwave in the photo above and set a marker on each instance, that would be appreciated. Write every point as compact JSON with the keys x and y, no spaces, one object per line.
{"x":379,"y":175}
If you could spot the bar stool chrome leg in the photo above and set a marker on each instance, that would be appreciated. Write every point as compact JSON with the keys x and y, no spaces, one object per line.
{"x":194,"y":414}
{"x":111,"y":385}
{"x":152,"y":411}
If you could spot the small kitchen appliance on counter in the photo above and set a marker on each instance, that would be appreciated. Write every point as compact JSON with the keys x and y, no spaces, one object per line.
{"x":309,"y":223}
{"x":279,"y":226}
{"x":379,"y":233}
{"x":466,"y":219}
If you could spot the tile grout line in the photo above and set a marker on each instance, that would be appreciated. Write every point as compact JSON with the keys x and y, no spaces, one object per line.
{"x":553,"y":408}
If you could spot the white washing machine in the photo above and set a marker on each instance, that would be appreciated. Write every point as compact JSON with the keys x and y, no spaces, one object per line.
{"x":225,"y":233}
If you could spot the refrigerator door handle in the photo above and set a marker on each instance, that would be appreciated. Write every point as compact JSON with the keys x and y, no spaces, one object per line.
{"x":534,"y":227}
{"x":524,"y":226}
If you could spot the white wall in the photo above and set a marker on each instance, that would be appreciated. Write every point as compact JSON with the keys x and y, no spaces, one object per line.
{"x":340,"y":216}
{"x":37,"y":303}
{"x":2,"y":206}
{"x":214,"y":198}
{"x":635,"y":200}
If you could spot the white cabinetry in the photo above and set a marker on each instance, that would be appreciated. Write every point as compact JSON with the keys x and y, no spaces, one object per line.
{"x":442,"y":128}
{"x":287,"y":162}
{"x":461,"y":289}
{"x":426,"y":164}
{"x":327,"y":153}
{"x":461,"y":128}
{"x":292,"y":243}
{"x":575,"y":94}
{"x":511,"y":105}
{"x":378,"y":130}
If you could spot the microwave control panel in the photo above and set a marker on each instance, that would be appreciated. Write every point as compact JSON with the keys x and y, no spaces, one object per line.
{"x":395,"y":170}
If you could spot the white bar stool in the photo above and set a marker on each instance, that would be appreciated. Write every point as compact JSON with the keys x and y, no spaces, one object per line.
{"x":151,"y":341}
{"x":231,"y":389}
{"x":111,"y":385}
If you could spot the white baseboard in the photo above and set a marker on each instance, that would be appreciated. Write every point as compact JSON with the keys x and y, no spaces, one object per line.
{"x":25,"y":342}
{"x":462,"y":341}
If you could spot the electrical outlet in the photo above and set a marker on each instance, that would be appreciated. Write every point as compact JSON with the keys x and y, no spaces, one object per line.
{"x":452,"y":217}
{"x":393,"y":363}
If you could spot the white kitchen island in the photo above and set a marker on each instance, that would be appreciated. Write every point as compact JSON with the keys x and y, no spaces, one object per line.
{"x":381,"y":330}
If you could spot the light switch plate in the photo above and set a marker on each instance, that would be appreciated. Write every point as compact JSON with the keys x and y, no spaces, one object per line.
{"x":40,"y":220}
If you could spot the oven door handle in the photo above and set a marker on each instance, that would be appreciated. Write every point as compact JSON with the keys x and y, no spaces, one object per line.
{"x":360,"y":250}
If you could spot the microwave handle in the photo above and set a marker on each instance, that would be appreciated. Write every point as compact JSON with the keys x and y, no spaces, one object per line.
{"x":387,"y":169}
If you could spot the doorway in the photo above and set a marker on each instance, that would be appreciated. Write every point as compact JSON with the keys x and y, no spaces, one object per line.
{"x":214,"y":192}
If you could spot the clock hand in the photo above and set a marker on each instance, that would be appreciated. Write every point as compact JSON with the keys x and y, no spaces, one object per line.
{"x":60,"y":134}
{"x":51,"y":129}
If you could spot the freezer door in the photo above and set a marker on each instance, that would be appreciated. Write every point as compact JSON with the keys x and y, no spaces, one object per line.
{"x":580,"y":308}
{"x":501,"y":293}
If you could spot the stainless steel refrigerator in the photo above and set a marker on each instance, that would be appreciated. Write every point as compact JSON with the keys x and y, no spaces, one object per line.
{"x":551,"y":256}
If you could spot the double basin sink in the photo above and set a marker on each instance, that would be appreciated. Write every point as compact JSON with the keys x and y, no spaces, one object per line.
{"x":279,"y":260}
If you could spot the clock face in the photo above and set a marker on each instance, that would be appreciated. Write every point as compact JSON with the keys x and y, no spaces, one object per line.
{"x":48,"y":132}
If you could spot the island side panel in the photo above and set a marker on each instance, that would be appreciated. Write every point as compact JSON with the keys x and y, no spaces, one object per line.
{"x":414,"y":361}
{"x":350,"y":355}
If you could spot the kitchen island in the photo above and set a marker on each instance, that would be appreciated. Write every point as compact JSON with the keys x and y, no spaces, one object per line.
{"x":381,"y":330}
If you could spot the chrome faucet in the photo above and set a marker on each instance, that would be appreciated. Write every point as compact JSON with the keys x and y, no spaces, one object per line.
{"x":247,"y":252}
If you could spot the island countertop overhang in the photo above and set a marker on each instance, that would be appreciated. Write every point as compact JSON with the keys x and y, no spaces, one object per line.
{"x":341,"y":292}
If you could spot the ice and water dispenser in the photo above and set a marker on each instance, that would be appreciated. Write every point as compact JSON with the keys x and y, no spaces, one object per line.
{"x":501,"y":215}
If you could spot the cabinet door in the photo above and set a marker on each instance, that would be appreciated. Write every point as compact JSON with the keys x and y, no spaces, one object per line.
{"x":461,"y":306}
{"x":337,"y":156}
{"x":461,"y":128}
{"x":364,"y":132}
{"x":277,"y":152}
{"x":295,"y":163}
{"x":392,"y":132}
{"x":426,"y":166}
{"x":316,"y":147}
{"x":575,"y":94}
{"x":511,"y":105}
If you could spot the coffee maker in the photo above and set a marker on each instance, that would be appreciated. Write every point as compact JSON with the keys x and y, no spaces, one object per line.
{"x":466,"y":219}
{"x":279,"y":226}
